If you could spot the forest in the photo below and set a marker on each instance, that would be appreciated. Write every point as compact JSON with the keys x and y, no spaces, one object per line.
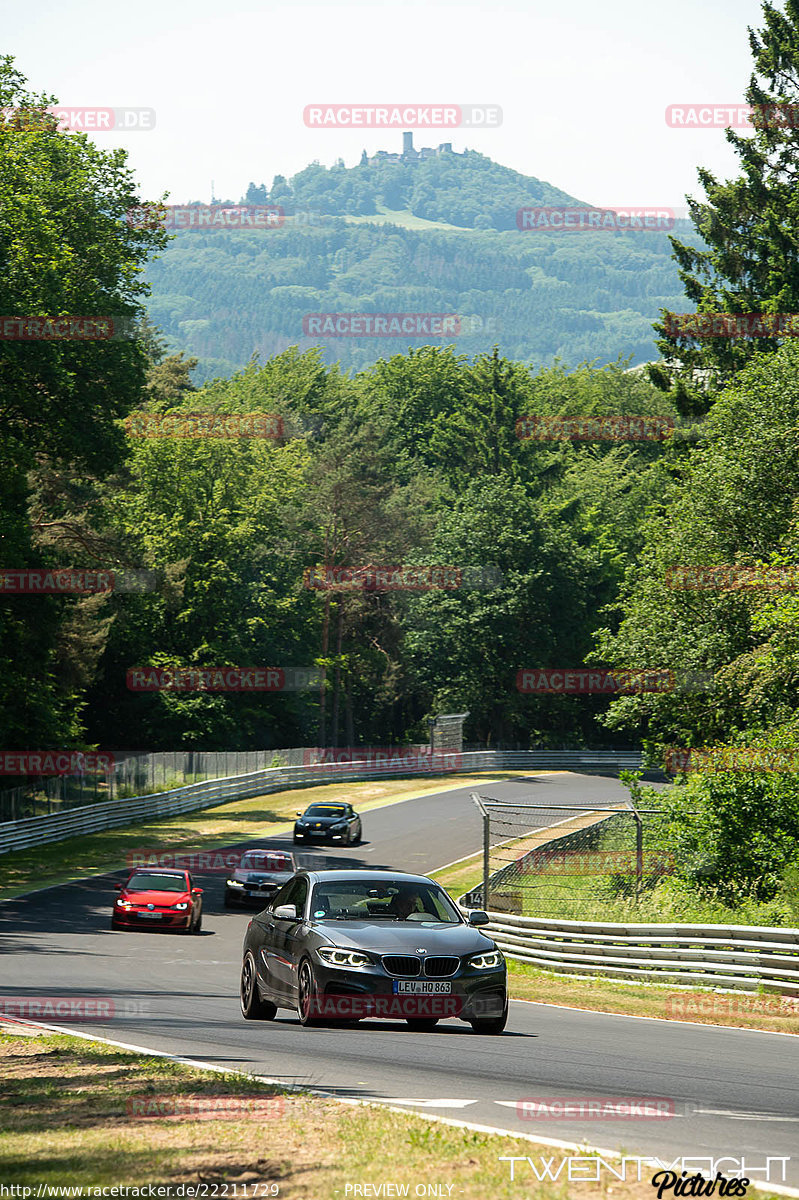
{"x":397,"y":535}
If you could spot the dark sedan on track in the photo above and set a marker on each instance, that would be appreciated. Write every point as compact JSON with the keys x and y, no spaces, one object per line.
{"x":328,"y":823}
{"x":341,"y":945}
{"x":258,"y":876}
{"x":158,"y":898}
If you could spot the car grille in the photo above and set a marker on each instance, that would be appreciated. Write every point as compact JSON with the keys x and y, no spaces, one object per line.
{"x":435,"y":967}
{"x":440,"y":967}
{"x":402,"y":964}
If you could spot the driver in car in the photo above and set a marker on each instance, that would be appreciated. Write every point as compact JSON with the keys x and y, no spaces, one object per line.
{"x":404,"y":903}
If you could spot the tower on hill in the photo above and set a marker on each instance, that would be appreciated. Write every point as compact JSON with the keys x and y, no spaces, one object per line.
{"x":409,"y":152}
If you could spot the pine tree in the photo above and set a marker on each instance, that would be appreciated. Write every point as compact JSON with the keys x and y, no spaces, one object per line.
{"x":750,"y":226}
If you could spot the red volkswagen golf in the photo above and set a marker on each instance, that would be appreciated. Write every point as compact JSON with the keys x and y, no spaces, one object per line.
{"x":161,"y":899}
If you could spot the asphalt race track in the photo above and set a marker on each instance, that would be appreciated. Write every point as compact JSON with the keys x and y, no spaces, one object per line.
{"x":735,"y":1093}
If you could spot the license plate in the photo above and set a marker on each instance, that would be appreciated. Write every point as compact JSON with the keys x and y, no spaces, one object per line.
{"x":150,"y":916}
{"x":418,"y":987}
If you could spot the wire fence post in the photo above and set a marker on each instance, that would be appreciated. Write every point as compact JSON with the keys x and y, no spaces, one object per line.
{"x":486,"y":846}
{"x":639,"y":850}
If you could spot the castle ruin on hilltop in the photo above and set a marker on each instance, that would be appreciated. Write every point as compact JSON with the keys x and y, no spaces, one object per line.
{"x":409,"y":154}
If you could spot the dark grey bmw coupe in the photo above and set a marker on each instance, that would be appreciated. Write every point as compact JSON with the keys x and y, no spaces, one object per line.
{"x":338,"y":946}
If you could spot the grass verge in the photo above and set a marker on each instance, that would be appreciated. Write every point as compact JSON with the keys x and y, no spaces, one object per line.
{"x":72,"y":1119}
{"x":207,"y":829}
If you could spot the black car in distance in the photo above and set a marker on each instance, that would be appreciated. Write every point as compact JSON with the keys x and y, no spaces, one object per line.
{"x":337,"y":823}
{"x":258,"y":876}
{"x":338,"y":946}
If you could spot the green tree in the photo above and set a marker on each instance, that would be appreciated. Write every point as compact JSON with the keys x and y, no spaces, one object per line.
{"x":750,"y":263}
{"x":66,"y":248}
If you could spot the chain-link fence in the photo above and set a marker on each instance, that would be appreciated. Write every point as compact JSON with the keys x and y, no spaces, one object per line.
{"x":570,"y":862}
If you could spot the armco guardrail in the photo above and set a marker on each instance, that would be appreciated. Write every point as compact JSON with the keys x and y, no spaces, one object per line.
{"x":36,"y":831}
{"x":727,"y":956}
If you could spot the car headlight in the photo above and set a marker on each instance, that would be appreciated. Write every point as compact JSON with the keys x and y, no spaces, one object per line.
{"x":183,"y":904}
{"x":485,"y":962}
{"x":342,"y":958}
{"x":340,"y":825}
{"x":123,"y":903}
{"x":233,"y":883}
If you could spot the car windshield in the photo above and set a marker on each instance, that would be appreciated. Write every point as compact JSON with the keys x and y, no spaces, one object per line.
{"x":150,"y":881}
{"x":382,"y":900}
{"x":266,"y":862}
{"x":324,"y":810}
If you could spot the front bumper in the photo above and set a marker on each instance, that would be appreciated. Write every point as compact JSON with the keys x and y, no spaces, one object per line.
{"x":160,"y":919}
{"x":320,"y":835}
{"x":245,"y":895}
{"x":369,"y":992}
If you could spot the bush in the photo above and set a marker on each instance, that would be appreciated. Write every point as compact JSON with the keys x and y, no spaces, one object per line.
{"x":733,"y":834}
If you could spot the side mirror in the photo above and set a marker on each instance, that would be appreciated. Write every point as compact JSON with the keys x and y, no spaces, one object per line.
{"x":118,"y":887}
{"x":196,"y":891}
{"x":478,"y":917}
{"x":299,"y":814}
{"x":285,"y":912}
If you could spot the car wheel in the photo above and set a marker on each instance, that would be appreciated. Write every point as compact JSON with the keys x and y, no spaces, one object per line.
{"x":359,"y":838}
{"x":253,"y":1008}
{"x":307,"y":994}
{"x":198,"y":924}
{"x":422,"y":1024}
{"x":229,"y":901}
{"x":296,"y":840}
{"x":116,"y":925}
{"x":492,"y":1024}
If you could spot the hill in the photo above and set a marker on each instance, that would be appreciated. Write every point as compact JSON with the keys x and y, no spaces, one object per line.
{"x":437,"y":235}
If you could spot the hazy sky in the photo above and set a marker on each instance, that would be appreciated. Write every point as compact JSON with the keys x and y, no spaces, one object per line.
{"x":583,"y":85}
